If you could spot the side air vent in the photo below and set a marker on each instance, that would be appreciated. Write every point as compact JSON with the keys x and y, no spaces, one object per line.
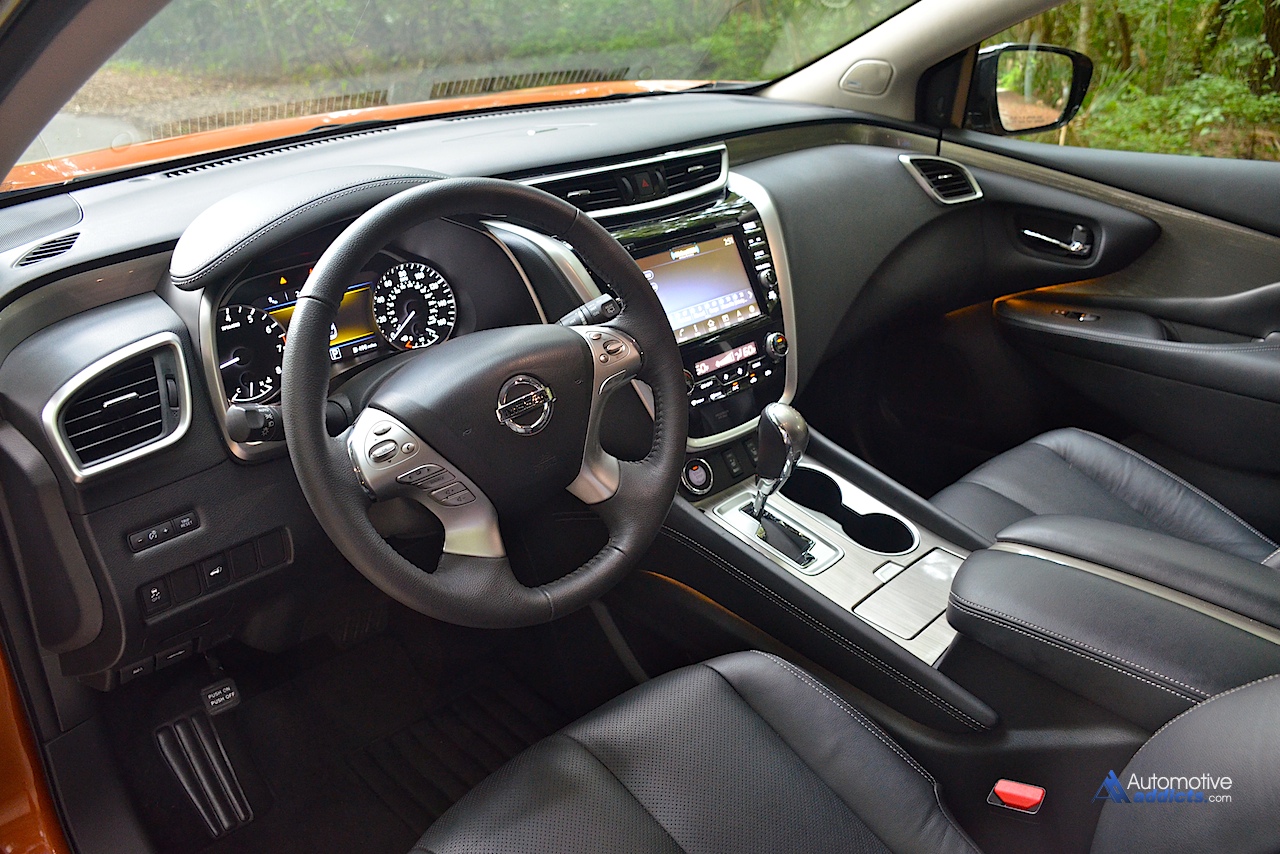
{"x":641,"y":185}
{"x":124,"y":406}
{"x":267,"y":152}
{"x":946,"y":181}
{"x":48,"y":249}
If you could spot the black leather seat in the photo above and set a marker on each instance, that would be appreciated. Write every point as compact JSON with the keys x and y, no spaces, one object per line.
{"x":743,"y":753}
{"x":750,"y":753}
{"x":1076,"y":473}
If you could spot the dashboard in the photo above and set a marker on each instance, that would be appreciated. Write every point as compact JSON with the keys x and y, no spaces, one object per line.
{"x":759,"y":241}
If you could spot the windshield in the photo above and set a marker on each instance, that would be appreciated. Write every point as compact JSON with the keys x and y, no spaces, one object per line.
{"x":206,"y":75}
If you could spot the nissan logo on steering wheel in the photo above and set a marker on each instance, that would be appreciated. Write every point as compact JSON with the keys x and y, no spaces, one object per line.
{"x":525,"y":404}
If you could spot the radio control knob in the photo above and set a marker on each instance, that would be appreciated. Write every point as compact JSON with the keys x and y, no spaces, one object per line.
{"x":776,"y":345}
{"x":768,"y":278}
{"x":688,"y":382}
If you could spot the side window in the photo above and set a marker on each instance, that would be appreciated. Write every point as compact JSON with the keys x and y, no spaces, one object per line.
{"x":1198,"y":77}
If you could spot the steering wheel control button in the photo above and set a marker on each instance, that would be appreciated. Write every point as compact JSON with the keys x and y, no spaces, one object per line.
{"x":384,"y":451}
{"x":444,"y":493}
{"x":697,"y":477}
{"x":525,"y":403}
{"x":382,"y":428}
{"x":408,"y":449}
{"x":463,"y":496}
{"x":215,"y":573}
{"x":155,"y":597}
{"x":1020,"y":797}
{"x":614,"y":347}
{"x":416,"y":476}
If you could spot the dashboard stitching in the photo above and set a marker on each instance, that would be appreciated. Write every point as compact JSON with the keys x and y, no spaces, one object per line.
{"x":890,"y":671}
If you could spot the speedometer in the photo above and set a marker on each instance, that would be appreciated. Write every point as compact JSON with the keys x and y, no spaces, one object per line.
{"x":414,"y":306}
{"x":250,"y":353}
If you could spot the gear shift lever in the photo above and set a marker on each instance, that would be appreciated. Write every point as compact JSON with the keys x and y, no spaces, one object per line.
{"x":781,"y":438}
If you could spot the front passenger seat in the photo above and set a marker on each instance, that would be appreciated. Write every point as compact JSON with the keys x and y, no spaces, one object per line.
{"x":748,"y":752}
{"x":1076,"y":473}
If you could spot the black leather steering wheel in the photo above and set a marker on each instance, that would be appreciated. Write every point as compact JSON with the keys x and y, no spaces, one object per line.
{"x":487,"y":425}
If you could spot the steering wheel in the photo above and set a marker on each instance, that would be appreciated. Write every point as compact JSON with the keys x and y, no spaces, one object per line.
{"x":488,"y":425}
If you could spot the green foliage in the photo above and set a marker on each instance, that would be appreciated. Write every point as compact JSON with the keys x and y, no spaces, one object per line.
{"x":1172,"y":76}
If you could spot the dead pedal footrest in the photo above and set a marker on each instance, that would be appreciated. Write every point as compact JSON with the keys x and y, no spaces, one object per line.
{"x":194,"y":752}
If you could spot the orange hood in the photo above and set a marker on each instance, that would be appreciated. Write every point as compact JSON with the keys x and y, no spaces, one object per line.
{"x":58,"y":170}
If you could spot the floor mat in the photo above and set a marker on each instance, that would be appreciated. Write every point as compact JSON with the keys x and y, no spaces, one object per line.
{"x":363,"y":753}
{"x":423,"y":769}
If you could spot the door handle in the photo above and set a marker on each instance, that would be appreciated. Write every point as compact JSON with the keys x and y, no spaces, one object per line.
{"x":1079,"y":247}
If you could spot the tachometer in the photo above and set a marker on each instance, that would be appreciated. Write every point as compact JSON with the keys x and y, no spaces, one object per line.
{"x":414,"y":306}
{"x":250,"y":353}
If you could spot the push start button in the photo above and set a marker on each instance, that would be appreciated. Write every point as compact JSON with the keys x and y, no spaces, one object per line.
{"x":697,"y":477}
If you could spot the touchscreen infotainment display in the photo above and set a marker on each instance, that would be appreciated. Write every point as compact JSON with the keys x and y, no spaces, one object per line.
{"x":702,"y":286}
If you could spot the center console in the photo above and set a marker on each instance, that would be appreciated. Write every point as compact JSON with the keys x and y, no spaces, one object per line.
{"x":715,"y":273}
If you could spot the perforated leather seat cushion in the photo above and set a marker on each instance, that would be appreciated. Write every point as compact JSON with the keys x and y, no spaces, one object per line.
{"x":743,"y":753}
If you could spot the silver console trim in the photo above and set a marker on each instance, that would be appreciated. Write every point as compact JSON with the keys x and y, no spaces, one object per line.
{"x":851,"y":579}
{"x":569,"y":265}
{"x":53,"y":408}
{"x":763,"y":203}
{"x":1200,"y":606}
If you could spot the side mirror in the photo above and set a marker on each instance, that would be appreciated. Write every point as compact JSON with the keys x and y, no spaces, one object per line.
{"x":1026,"y":88}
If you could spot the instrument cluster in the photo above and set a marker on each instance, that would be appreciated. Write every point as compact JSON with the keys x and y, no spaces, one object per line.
{"x":397,"y":304}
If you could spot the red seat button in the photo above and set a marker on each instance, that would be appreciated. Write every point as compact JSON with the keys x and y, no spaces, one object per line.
{"x":1018,"y":796}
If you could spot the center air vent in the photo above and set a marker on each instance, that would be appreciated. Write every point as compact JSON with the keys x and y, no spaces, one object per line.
{"x":129,"y":404}
{"x":641,"y":185}
{"x":946,"y":181}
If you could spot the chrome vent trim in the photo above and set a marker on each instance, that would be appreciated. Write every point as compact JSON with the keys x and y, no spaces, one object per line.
{"x":602,"y":191}
{"x":116,"y":411}
{"x":267,"y":152}
{"x":946,"y":181}
{"x":49,"y":249}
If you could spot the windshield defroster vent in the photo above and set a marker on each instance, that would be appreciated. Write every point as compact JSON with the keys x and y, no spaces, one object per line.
{"x":267,"y":152}
{"x":946,"y":181}
{"x":48,"y":249}
{"x":641,"y":185}
{"x":128,"y":404}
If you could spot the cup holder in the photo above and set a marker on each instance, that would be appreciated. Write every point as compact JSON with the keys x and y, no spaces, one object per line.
{"x":877,"y":532}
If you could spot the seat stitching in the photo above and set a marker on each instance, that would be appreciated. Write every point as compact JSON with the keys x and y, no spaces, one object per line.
{"x":867,"y":724}
{"x":847,"y":709}
{"x":1073,"y":642}
{"x":1201,"y":705}
{"x":1164,"y":471}
{"x":1196,"y":708}
{"x":625,"y":788}
{"x":1054,"y":644}
{"x":897,"y":676}
{"x":1270,"y":556}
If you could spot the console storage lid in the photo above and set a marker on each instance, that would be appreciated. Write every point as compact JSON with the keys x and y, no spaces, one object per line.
{"x":1144,"y":656}
{"x":1239,"y":585}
